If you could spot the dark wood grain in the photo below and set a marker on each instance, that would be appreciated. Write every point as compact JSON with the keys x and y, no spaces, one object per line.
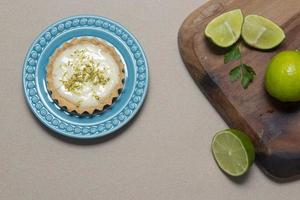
{"x":274,"y":127}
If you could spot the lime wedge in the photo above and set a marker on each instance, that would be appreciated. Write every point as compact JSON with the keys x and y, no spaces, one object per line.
{"x":261,"y":33}
{"x":225,"y":29}
{"x":233,"y":151}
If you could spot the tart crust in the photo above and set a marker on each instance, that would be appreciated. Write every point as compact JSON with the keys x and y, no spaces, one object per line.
{"x":70,"y":106}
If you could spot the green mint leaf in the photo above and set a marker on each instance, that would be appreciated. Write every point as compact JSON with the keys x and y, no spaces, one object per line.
{"x":249,"y":69}
{"x":245,"y":82}
{"x":248,"y":75}
{"x":235,"y":73}
{"x":233,"y":54}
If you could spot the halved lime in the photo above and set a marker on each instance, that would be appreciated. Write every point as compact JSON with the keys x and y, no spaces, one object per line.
{"x":261,"y":33}
{"x":225,"y":29}
{"x":233,"y":151}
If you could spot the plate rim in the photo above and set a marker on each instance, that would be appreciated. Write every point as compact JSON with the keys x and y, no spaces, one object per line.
{"x":88,"y":136}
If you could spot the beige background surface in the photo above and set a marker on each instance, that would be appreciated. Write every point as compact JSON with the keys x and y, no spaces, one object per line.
{"x":164,"y":154}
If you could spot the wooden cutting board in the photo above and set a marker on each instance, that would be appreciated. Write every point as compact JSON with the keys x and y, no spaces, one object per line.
{"x":274,"y":127}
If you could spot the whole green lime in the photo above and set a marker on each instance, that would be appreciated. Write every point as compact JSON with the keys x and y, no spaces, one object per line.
{"x":282,"y":79}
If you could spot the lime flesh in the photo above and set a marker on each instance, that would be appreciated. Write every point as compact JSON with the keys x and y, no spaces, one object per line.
{"x":261,"y":33}
{"x":282,"y":77}
{"x":233,"y":151}
{"x":225,"y":29}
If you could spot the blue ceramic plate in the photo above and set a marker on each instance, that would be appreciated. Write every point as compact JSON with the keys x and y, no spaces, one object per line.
{"x":113,"y":117}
